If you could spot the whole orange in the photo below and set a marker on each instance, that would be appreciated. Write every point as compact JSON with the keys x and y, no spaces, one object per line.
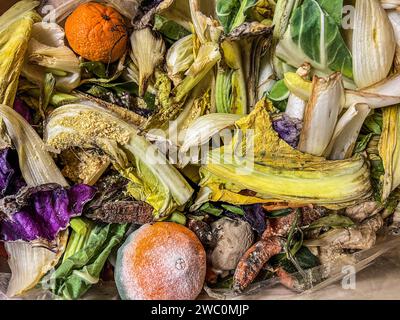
{"x":161,"y":261}
{"x":97,"y":32}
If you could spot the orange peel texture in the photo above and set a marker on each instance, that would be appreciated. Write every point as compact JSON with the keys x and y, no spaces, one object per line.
{"x":97,"y":32}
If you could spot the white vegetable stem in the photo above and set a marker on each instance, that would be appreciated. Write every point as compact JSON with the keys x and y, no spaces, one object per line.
{"x":347,"y":131}
{"x":296,"y":107}
{"x":322,"y":111}
{"x":373,"y":43}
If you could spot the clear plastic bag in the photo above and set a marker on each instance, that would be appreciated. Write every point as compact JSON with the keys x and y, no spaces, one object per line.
{"x":377,"y":277}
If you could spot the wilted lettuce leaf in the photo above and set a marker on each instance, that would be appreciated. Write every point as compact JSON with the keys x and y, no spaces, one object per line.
{"x":333,"y":8}
{"x":232,"y":13}
{"x":150,"y":189}
{"x":226,"y":11}
{"x":40,"y":213}
{"x":171,"y":30}
{"x":314,"y":36}
{"x":79,"y":272}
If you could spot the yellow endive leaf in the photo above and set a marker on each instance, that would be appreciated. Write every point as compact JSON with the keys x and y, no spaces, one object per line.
{"x":389,"y":150}
{"x":15,"y":31}
{"x":272,"y":171}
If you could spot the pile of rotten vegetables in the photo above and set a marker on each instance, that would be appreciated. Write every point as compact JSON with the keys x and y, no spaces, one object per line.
{"x":176,"y":145}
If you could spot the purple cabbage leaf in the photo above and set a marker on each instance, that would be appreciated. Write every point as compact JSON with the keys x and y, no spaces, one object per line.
{"x":288,"y":129}
{"x":255,"y":216}
{"x":40,"y":213}
{"x":21,"y":107}
{"x":10,"y":176}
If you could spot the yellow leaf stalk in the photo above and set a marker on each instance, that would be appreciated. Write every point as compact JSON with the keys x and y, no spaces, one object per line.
{"x":15,"y":31}
{"x":389,"y":150}
{"x":272,"y":171}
